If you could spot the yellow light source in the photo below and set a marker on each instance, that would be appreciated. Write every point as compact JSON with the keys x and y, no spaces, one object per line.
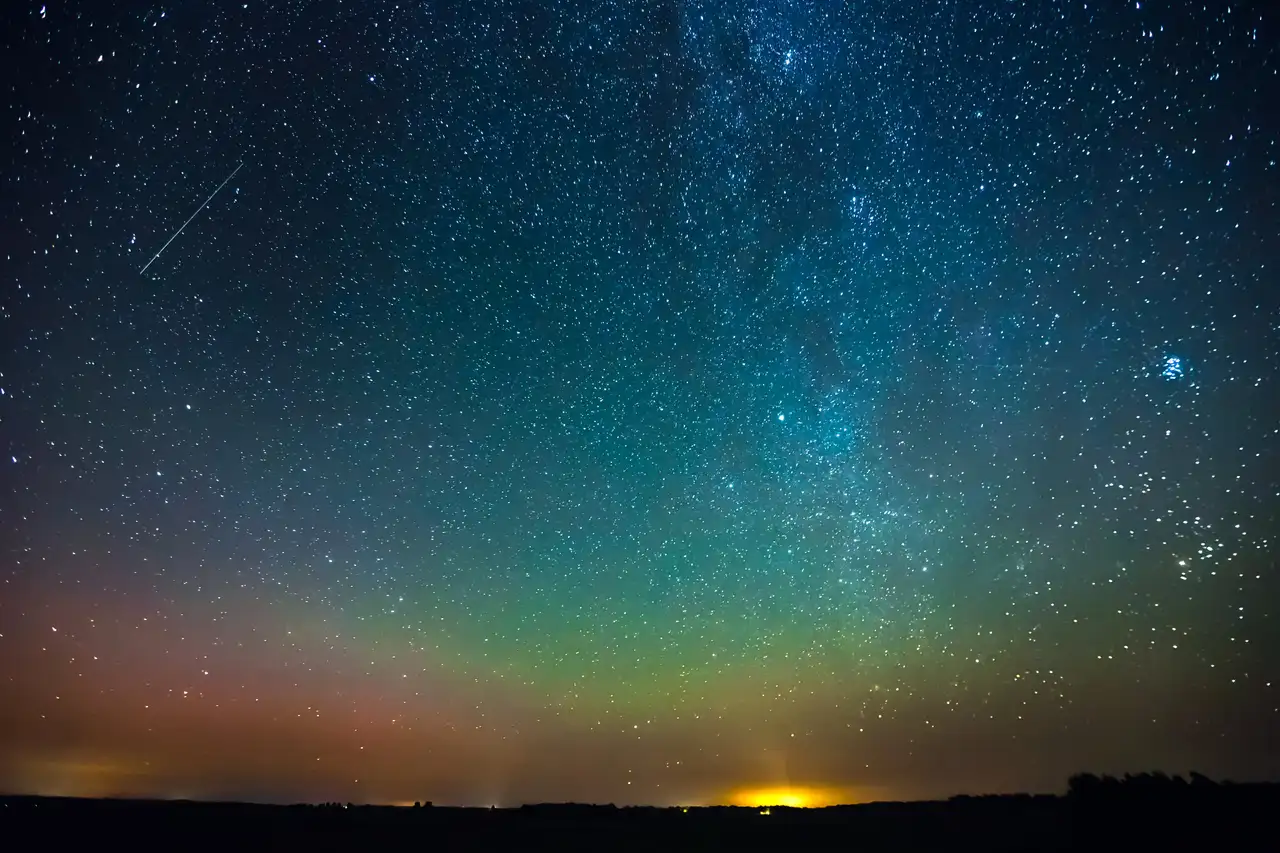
{"x":796,"y":797}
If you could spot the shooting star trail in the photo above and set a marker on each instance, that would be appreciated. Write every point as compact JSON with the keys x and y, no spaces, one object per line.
{"x":193,"y":216}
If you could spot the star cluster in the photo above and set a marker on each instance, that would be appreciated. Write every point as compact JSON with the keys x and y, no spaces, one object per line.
{"x":637,"y":401}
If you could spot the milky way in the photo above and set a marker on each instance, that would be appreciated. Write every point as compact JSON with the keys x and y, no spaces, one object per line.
{"x":638,"y":402}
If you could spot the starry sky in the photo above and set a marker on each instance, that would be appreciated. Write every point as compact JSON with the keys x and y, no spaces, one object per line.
{"x":631,"y":401}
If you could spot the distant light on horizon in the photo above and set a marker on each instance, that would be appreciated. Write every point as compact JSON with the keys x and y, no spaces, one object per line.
{"x":793,"y":796}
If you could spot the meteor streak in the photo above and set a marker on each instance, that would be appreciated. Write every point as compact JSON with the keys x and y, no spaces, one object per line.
{"x":193,"y":216}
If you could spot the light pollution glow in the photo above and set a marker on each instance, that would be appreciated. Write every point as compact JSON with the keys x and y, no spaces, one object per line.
{"x":795,"y":796}
{"x":114,"y":779}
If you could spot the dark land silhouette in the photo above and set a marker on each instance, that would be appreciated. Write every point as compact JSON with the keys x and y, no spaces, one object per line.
{"x":1149,"y":811}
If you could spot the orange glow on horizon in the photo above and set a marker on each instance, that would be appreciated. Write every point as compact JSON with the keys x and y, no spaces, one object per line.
{"x":795,"y":796}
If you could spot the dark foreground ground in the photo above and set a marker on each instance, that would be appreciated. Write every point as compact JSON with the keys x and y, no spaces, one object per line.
{"x":1212,"y":818}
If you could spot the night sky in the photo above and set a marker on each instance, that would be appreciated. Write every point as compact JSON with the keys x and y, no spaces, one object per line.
{"x":637,"y":401}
